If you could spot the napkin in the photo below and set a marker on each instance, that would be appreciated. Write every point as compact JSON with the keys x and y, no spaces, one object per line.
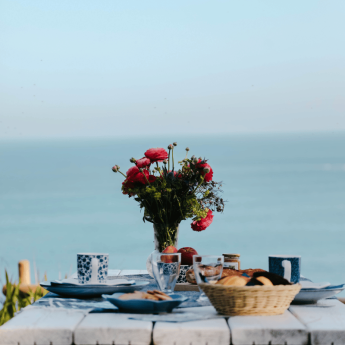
{"x":113,"y":282}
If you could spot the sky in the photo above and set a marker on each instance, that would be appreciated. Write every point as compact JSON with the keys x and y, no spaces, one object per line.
{"x":113,"y":68}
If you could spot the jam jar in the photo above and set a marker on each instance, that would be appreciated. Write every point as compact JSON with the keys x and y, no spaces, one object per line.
{"x":232,"y":261}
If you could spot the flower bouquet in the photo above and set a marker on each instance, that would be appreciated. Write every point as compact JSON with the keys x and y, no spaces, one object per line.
{"x":168,"y":196}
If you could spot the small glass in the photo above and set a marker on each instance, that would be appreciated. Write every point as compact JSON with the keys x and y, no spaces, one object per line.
{"x":207,"y":268}
{"x":166,"y":269}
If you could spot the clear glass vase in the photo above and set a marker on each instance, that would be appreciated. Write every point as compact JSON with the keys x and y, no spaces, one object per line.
{"x":163,"y":236}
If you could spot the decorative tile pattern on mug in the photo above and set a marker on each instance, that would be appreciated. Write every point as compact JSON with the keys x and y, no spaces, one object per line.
{"x":84,"y":268}
{"x":276,"y":266}
{"x":182,"y":276}
{"x":168,"y":268}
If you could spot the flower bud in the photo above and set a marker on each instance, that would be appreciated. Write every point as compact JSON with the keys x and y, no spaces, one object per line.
{"x":207,"y":170}
{"x":141,"y":170}
{"x":115,"y":168}
{"x":175,"y":143}
{"x":170,"y":147}
{"x":165,"y":161}
{"x":187,"y":149}
{"x":200,"y":158}
{"x":192,"y":158}
{"x":132,"y":160}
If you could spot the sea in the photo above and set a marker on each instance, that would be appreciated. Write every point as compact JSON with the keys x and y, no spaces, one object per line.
{"x":285,"y":194}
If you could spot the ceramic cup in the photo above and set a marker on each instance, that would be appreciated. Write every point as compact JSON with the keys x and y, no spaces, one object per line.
{"x":92,"y":268}
{"x":286,"y":266}
{"x":182,"y":276}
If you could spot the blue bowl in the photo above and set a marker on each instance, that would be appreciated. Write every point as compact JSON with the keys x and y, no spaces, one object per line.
{"x":145,"y":306}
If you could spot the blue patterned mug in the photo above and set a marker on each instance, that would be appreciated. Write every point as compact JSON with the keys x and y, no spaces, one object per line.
{"x":92,"y":268}
{"x":286,"y":266}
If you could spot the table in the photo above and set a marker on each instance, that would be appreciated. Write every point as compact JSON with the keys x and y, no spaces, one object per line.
{"x":321,"y":324}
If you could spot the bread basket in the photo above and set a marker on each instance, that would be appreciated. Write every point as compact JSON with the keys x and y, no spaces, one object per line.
{"x":250,"y":300}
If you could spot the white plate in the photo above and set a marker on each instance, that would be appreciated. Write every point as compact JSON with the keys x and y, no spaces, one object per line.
{"x":109,"y":282}
{"x":311,"y":296}
{"x":87,"y":291}
{"x":306,"y":284}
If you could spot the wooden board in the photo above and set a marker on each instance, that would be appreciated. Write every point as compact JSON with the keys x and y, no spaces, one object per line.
{"x":325,"y":321}
{"x":41,"y":326}
{"x":111,"y":328}
{"x":186,"y":287}
{"x":278,"y":329}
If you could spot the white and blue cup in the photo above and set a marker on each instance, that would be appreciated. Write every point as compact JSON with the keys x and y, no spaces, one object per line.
{"x":92,"y":268}
{"x":286,"y":266}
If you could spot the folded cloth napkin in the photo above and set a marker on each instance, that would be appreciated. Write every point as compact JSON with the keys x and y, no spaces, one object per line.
{"x":113,"y":282}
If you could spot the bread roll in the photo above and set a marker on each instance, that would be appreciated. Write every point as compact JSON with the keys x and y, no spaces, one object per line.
{"x":264,"y":281}
{"x":233,"y":281}
{"x":190,"y":276}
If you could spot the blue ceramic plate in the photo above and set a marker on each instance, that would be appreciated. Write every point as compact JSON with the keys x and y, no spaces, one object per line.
{"x":144,"y":306}
{"x":85,"y":291}
{"x":311,"y":296}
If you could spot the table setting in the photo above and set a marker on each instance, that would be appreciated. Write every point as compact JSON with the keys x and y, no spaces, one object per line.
{"x":169,"y":193}
{"x":183,"y":295}
{"x":263,"y":292}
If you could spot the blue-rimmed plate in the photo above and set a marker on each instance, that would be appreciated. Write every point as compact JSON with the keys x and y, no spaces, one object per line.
{"x":87,"y":291}
{"x":311,"y":296}
{"x":144,"y":306}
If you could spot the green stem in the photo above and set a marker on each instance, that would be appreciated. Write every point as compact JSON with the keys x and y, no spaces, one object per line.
{"x":122,"y":174}
{"x":145,"y":177}
{"x":169,"y":161}
{"x":159,"y":170}
{"x":172,"y":154}
{"x":200,"y":183}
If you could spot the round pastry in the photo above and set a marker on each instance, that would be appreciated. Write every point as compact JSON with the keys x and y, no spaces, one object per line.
{"x":264,"y":281}
{"x":234,"y":281}
{"x":190,"y":276}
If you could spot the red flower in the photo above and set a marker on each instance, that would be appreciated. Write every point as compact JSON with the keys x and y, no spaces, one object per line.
{"x":209,"y":175}
{"x":152,"y":178}
{"x":176,"y":174}
{"x":143,"y":162}
{"x":135,"y":175}
{"x":203,"y":223}
{"x":156,"y":155}
{"x":132,"y":171}
{"x":127,"y":185}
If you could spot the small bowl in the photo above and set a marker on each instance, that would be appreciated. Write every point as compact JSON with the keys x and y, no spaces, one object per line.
{"x":145,"y":306}
{"x":182,"y":276}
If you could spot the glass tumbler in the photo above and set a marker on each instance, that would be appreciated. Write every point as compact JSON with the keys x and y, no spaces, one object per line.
{"x":166,"y":269}
{"x":207,"y":268}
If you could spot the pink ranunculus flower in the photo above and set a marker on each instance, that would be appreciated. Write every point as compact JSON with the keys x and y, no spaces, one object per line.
{"x":143,"y":162}
{"x":203,"y":223}
{"x":156,"y":155}
{"x":207,"y":176}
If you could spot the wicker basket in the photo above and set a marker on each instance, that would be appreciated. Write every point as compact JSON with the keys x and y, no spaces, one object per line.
{"x":250,"y":300}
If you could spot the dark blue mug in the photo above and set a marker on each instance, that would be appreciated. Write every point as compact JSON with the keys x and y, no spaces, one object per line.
{"x":286,"y":266}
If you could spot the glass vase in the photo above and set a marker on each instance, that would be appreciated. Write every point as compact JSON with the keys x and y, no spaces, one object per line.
{"x":163,"y":236}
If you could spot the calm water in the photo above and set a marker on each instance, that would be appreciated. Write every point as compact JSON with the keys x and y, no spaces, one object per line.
{"x":286,"y":195}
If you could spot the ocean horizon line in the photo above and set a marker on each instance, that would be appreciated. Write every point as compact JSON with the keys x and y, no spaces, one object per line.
{"x":171,"y":136}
